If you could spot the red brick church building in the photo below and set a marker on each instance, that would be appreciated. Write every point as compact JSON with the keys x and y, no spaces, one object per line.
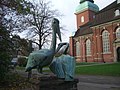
{"x":97,"y":38}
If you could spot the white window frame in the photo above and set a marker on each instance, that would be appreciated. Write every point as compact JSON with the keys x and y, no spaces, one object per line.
{"x":88,"y":47}
{"x":118,"y":33}
{"x":82,"y":19}
{"x":105,"y":41}
{"x":77,"y":48}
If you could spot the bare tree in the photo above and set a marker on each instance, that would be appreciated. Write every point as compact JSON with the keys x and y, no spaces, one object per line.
{"x":37,"y":24}
{"x":42,"y":15}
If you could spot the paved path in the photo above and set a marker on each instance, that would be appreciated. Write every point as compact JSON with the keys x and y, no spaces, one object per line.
{"x":89,"y":82}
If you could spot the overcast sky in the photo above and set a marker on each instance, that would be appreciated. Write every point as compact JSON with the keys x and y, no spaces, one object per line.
{"x":67,"y":8}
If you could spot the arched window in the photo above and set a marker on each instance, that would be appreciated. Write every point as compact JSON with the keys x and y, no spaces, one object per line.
{"x":77,"y":49}
{"x":82,"y":19}
{"x":118,"y":32}
{"x":118,"y":1}
{"x":105,"y":40}
{"x":117,"y":12}
{"x":88,"y":47}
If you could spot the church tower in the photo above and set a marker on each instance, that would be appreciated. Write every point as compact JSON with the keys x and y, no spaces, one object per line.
{"x":85,"y":12}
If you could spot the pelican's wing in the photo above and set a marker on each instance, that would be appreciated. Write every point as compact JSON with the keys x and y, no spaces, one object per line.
{"x":41,"y":55}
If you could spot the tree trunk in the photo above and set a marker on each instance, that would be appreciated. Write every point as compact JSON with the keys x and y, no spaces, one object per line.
{"x":40,"y":42}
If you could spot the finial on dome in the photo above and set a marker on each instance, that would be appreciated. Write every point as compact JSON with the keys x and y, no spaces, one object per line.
{"x":81,"y":1}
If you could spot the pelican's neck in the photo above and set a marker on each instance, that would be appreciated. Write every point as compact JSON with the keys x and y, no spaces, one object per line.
{"x":53,"y":43}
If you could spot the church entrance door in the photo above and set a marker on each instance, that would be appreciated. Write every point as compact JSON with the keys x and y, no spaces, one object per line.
{"x":118,"y":54}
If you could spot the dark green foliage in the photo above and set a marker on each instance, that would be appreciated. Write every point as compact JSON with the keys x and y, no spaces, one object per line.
{"x":22,"y":61}
{"x":6,"y":45}
{"x":4,"y":63}
{"x":4,"y":53}
{"x":21,"y":6}
{"x":15,"y":81}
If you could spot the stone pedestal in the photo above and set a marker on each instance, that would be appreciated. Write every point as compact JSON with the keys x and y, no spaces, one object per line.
{"x":53,"y":83}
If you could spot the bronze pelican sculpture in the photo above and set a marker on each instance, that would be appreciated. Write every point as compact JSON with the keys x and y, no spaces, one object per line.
{"x":44,"y":57}
{"x":63,"y":65}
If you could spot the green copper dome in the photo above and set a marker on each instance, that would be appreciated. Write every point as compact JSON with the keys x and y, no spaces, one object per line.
{"x":86,"y":5}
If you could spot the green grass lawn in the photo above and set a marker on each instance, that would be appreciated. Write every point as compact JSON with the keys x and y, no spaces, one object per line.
{"x":106,"y":69}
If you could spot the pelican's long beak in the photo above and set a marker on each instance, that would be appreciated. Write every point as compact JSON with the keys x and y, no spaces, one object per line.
{"x":59,"y":34}
{"x":56,"y":27}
